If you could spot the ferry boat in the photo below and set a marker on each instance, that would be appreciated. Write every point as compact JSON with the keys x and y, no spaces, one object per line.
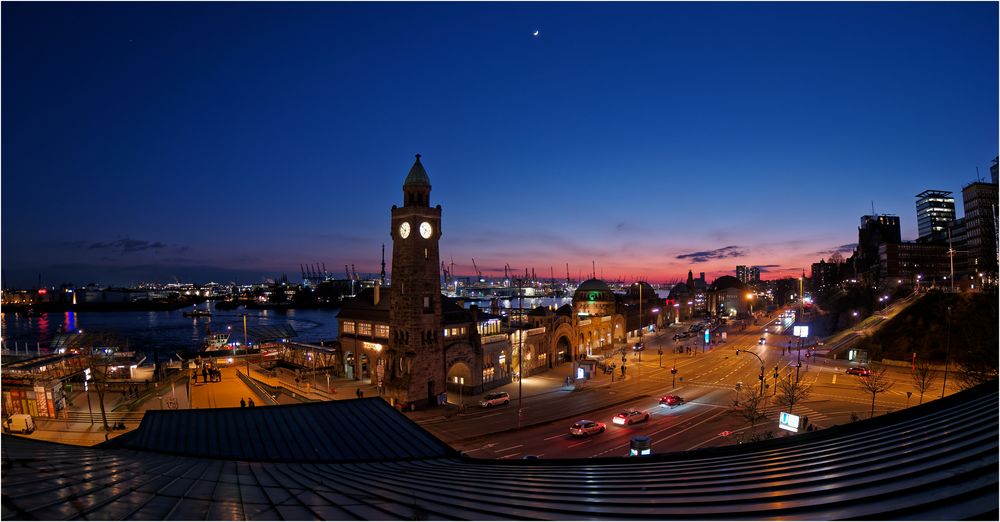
{"x":216,"y":341}
{"x":198,"y":313}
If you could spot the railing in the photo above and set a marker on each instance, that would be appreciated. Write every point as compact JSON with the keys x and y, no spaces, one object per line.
{"x":257,"y":388}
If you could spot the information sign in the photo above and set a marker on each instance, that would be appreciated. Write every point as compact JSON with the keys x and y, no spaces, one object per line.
{"x":787,"y":421}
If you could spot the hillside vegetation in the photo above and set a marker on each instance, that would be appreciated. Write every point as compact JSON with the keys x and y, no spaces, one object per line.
{"x":923,"y":328}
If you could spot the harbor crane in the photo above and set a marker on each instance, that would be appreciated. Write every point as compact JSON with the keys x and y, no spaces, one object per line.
{"x":478,"y":273}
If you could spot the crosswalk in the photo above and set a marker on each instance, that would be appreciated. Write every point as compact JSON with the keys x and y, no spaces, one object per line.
{"x":816,"y":418}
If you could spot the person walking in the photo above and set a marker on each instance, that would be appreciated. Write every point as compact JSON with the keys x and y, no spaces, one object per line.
{"x":194,"y":376}
{"x":251,"y":404}
{"x":359,"y":393}
{"x":243,"y":403}
{"x":204,"y":374}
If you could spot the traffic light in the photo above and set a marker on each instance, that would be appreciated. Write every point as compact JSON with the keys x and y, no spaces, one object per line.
{"x":673,"y":371}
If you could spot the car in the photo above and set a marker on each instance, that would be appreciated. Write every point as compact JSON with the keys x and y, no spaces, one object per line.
{"x":630,"y":417}
{"x":671,"y":400}
{"x":494,"y":399}
{"x":762,"y":340}
{"x":858,"y":371}
{"x":638,"y":347}
{"x":587,"y":427}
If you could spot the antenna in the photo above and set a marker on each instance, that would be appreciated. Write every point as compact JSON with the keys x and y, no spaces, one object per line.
{"x":978,"y":178}
{"x":873,"y":208}
{"x":593,"y":269}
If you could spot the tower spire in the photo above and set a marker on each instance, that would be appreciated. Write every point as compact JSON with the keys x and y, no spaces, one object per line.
{"x":382,"y":277}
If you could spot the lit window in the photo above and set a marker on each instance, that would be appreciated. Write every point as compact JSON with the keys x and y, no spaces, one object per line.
{"x":348,"y":327}
{"x":365,"y":329}
{"x":382,"y":330}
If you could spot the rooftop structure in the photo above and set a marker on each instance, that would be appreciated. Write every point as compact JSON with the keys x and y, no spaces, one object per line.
{"x":360,"y":459}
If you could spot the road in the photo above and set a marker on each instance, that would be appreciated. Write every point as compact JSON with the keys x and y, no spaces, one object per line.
{"x":705,"y":380}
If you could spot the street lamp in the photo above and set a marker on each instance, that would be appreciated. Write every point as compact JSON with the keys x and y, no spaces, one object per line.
{"x":761,"y":376}
{"x":750,"y":299}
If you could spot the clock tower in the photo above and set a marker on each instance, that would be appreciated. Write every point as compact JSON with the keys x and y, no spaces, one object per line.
{"x":416,"y":373}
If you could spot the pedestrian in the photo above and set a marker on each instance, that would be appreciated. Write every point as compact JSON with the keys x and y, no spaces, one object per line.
{"x":251,"y":402}
{"x":243,"y":403}
{"x":220,"y":374}
{"x":204,"y":374}
{"x":194,"y":376}
{"x":359,"y":393}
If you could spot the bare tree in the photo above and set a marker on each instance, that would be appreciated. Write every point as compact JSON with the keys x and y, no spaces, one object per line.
{"x":750,"y":404}
{"x":875,"y":382}
{"x":97,"y":353}
{"x":791,"y":393}
{"x":924,"y":378}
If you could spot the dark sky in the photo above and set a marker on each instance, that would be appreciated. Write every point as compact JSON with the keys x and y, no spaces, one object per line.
{"x":235,"y":141}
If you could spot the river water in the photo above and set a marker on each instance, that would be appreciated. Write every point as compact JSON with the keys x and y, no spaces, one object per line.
{"x":165,"y":332}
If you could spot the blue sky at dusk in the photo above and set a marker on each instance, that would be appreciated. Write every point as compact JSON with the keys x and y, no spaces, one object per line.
{"x":236,"y":141}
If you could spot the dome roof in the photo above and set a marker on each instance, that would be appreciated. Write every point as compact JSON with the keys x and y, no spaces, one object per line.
{"x":591,"y":285}
{"x":593,"y":291}
{"x":417,"y":175}
{"x":726,"y":282}
{"x":648,"y":292}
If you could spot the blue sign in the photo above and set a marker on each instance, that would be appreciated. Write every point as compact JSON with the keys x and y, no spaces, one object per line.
{"x":708,"y":335}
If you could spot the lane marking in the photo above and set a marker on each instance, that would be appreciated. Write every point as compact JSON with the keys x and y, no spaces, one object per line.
{"x":511,"y":455}
{"x":581,"y":443}
{"x":508,"y":449}
{"x":555,"y":436}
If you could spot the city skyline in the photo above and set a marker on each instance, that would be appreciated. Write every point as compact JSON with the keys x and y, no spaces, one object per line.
{"x":200,"y":140}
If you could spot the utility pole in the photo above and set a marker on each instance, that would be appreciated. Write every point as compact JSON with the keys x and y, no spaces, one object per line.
{"x":947,"y":352}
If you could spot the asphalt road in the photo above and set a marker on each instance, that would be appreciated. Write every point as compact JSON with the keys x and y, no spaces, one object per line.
{"x":705,"y":380}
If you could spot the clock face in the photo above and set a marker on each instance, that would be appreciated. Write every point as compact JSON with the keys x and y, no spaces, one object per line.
{"x":404,"y":230}
{"x":426,"y":229}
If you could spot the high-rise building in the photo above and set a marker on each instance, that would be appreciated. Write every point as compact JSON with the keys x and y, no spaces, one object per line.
{"x":935,"y":210}
{"x":875,"y":230}
{"x":823,"y":276}
{"x":748,"y":275}
{"x":979,"y":199}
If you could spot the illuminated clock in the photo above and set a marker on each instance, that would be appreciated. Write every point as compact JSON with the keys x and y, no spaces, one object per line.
{"x":404,"y":230}
{"x":425,"y":230}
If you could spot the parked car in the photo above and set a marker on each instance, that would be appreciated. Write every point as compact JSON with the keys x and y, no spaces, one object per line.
{"x":858,"y":371}
{"x":630,"y":417}
{"x":19,"y":423}
{"x":671,"y":400}
{"x":494,"y":399}
{"x":587,"y":427}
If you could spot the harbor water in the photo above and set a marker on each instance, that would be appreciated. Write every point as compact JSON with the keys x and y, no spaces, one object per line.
{"x":165,"y":332}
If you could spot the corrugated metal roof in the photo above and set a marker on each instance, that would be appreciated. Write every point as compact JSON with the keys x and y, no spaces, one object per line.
{"x":937,"y":461}
{"x":367,"y":430}
{"x":263,"y":333}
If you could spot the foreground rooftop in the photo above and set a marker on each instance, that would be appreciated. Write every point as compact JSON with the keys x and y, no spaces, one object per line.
{"x":360,"y":459}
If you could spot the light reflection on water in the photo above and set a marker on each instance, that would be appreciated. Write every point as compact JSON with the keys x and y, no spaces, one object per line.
{"x":163,"y":331}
